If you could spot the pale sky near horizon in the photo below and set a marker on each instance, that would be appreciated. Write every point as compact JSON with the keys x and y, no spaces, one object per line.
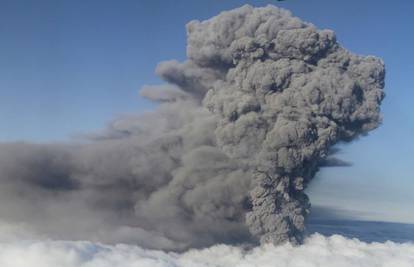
{"x":69,"y":67}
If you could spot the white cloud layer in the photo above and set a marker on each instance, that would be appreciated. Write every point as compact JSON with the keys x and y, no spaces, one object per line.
{"x":318,"y":251}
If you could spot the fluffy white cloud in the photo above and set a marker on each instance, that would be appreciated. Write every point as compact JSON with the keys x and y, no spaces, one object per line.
{"x":318,"y":251}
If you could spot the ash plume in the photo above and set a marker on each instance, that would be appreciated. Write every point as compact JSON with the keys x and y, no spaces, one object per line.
{"x":242,"y":127}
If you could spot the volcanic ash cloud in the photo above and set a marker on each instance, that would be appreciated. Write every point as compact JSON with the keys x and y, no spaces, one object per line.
{"x":283,"y":93}
{"x":242,"y":127}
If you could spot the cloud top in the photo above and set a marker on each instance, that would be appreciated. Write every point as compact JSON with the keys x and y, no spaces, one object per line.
{"x":317,"y":250}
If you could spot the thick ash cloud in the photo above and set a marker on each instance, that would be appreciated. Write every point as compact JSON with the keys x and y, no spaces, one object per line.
{"x":243,"y":125}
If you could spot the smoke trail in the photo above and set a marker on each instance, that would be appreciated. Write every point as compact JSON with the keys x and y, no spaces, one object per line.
{"x":242,"y":127}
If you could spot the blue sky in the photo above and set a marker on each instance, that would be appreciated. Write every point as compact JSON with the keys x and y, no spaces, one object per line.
{"x":68,"y":67}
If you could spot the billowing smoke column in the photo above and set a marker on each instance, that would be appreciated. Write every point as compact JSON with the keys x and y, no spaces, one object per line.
{"x":283,"y":93}
{"x":242,"y":127}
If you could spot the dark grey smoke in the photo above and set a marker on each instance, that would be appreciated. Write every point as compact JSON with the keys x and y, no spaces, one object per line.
{"x":243,"y":126}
